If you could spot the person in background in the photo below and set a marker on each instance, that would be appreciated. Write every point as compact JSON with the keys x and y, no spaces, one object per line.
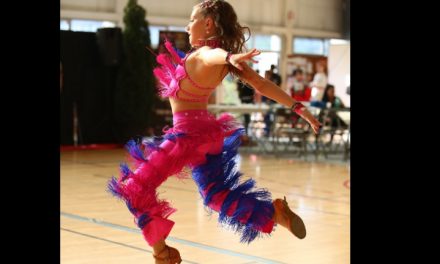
{"x":318,"y":85}
{"x":246,"y":95}
{"x":270,"y":115}
{"x":300,"y":91}
{"x":330,"y":99}
{"x":333,"y":103}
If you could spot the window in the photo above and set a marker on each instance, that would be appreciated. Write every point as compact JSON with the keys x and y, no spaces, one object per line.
{"x":270,"y":47}
{"x":265,"y":59}
{"x":64,"y":25}
{"x":154,"y":35}
{"x":89,"y":25}
{"x":267,"y":42}
{"x":313,"y":46}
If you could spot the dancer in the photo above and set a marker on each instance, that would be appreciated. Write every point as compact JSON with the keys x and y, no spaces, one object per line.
{"x":202,"y":142}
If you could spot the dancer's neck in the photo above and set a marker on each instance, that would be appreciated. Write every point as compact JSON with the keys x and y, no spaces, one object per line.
{"x":213,"y":42}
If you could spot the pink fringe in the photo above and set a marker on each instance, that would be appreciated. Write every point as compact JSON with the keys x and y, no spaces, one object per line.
{"x":166,"y":72}
{"x":194,"y":134}
{"x":173,"y":52}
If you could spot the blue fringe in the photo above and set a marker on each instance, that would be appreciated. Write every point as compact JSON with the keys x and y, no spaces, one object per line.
{"x":234,"y":195}
{"x":135,"y":151}
{"x":134,"y":147}
{"x":152,"y":143}
{"x":222,"y":173}
{"x":143,"y":220}
{"x":155,"y":142}
{"x":126,"y":172}
{"x":113,"y":187}
{"x":132,"y":210}
{"x":181,"y":53}
{"x":173,"y":136}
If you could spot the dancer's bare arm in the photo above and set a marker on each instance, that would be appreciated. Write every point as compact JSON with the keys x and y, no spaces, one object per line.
{"x":273,"y":91}
{"x":219,"y":56}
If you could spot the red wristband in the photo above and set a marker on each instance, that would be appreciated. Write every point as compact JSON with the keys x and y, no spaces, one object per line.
{"x":298,"y":107}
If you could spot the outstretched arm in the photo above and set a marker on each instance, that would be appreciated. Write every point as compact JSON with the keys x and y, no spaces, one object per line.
{"x":271,"y":90}
{"x":219,"y":56}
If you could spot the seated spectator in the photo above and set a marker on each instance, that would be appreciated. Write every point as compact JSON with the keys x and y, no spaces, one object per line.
{"x":299,"y":90}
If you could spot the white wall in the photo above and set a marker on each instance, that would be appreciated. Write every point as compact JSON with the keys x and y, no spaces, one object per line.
{"x":339,"y":70}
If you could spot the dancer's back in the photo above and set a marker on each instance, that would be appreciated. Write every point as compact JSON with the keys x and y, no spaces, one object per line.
{"x":201,"y":80}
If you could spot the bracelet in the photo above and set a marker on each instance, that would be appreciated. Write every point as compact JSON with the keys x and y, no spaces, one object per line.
{"x":228,"y":57}
{"x":297,"y":107}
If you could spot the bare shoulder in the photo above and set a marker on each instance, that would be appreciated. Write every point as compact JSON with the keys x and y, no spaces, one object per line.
{"x":195,"y":60}
{"x":196,"y":56}
{"x":207,"y":51}
{"x":204,"y":48}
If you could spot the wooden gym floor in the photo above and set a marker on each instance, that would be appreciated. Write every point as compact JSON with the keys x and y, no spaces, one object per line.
{"x":98,"y":228}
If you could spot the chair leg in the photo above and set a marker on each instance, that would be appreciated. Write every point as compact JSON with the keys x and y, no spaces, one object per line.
{"x":304,"y":146}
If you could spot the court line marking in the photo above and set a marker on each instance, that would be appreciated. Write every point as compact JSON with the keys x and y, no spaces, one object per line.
{"x":174,"y":239}
{"x":115,"y":242}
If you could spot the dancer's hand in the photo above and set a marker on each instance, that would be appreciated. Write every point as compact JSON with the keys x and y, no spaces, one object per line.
{"x":236,"y":59}
{"x":314,"y":123}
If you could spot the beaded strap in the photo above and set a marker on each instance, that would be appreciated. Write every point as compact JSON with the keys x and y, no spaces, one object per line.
{"x":192,"y":82}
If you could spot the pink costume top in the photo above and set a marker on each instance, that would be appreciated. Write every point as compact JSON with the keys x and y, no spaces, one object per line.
{"x":171,"y":71}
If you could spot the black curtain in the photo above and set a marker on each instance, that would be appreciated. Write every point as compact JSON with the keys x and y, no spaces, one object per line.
{"x":346,"y":19}
{"x":89,"y":83}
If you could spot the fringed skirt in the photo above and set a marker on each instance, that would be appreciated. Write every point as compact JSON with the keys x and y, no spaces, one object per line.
{"x":208,"y":146}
